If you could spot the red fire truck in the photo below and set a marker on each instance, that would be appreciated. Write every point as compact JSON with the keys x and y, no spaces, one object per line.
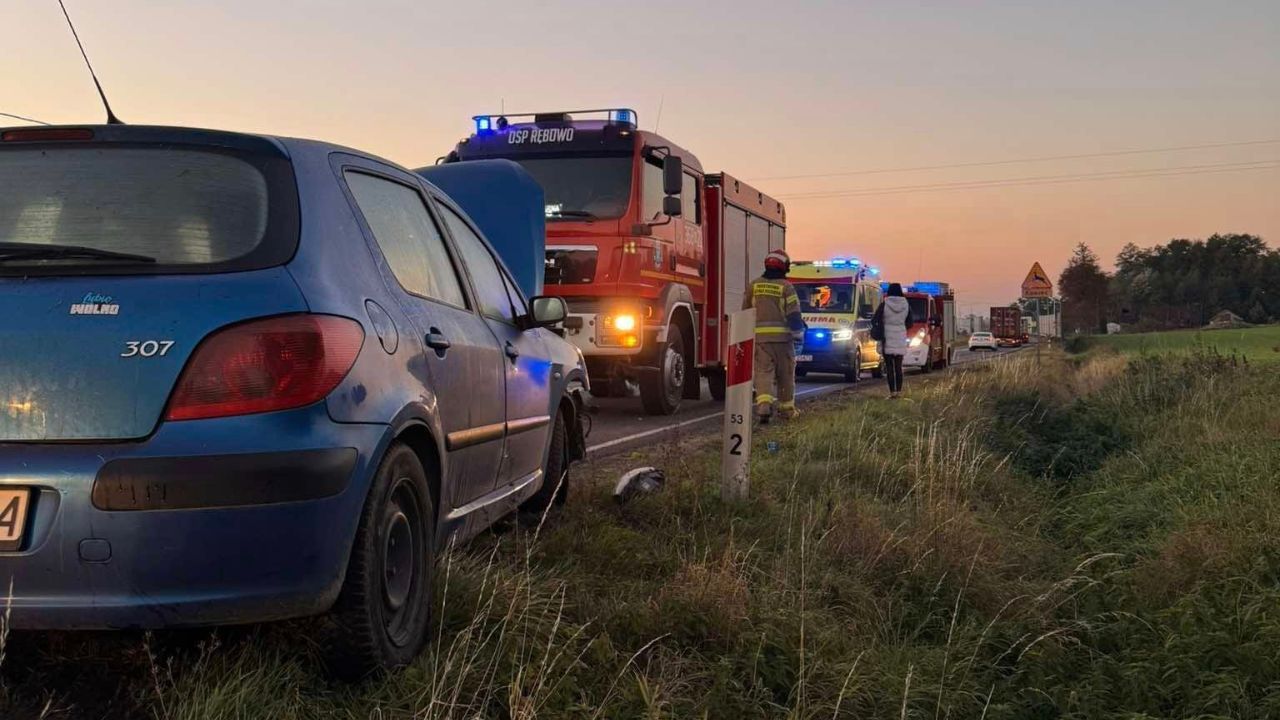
{"x":931,"y":338}
{"x":649,"y":251}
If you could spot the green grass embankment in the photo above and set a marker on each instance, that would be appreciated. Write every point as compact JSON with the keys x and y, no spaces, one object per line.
{"x":1257,"y":344}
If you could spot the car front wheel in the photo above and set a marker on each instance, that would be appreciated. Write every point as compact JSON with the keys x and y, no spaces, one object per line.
{"x":380,"y":619}
{"x":555,"y":480}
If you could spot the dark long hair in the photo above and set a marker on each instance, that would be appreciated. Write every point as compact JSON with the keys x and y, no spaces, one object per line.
{"x":895,"y":290}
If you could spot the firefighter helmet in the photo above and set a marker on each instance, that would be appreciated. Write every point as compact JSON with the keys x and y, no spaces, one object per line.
{"x":777,"y":260}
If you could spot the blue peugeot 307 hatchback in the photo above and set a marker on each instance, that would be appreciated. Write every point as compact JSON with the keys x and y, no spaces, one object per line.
{"x":248,"y":378}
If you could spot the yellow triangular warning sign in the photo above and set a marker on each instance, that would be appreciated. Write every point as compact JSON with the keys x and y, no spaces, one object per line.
{"x":1037,"y":278}
{"x":1037,"y":283}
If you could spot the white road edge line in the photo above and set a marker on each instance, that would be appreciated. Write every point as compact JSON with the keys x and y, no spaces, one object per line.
{"x":668,"y":428}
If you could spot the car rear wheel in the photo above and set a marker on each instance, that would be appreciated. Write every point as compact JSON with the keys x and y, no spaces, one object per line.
{"x":877,"y":372}
{"x":380,"y":619}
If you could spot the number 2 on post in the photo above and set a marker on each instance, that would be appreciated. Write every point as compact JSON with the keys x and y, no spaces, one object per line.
{"x":737,"y":444}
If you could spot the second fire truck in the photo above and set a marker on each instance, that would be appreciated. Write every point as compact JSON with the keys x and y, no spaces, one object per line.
{"x":649,"y":250}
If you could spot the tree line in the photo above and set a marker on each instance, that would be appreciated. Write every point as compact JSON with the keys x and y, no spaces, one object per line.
{"x":1180,"y":284}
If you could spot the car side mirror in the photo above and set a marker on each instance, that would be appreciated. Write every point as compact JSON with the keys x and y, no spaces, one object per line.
{"x":671,"y":206}
{"x":672,"y":175}
{"x":547,"y":311}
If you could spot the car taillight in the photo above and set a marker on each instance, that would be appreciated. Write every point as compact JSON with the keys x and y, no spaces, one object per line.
{"x":46,"y":134}
{"x":266,"y":365}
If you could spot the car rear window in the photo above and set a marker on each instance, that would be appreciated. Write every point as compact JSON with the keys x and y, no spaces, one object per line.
{"x":188,"y":208}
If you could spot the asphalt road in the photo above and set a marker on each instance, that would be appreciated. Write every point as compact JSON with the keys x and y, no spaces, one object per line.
{"x":621,"y":422}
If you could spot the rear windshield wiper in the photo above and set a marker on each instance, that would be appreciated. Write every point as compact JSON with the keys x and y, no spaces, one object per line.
{"x":18,"y":251}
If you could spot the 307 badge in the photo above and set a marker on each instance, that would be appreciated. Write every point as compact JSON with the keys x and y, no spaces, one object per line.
{"x":13,"y":517}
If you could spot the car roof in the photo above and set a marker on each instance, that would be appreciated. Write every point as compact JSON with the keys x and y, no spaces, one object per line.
{"x":283,"y":145}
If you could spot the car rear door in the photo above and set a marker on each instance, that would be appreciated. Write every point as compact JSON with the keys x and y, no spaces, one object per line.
{"x":528,"y":364}
{"x":454,"y":354}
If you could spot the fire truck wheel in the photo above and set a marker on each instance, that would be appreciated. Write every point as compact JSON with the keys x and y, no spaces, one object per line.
{"x":716,"y":380}
{"x":927,"y":367}
{"x":662,"y":388}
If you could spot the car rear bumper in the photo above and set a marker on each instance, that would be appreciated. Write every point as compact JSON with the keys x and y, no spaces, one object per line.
{"x":207,"y":522}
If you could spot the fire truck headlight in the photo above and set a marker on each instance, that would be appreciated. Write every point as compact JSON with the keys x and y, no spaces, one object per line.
{"x":918,"y":339}
{"x":841,"y":335}
{"x":624,"y":323}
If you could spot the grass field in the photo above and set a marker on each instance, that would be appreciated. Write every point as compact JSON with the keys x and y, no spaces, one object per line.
{"x":1257,"y":344}
{"x":1091,"y":537}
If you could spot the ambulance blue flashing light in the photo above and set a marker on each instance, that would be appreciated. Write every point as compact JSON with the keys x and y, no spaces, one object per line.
{"x":838,"y":263}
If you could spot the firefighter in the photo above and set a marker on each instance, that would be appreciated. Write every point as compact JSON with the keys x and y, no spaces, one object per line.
{"x":778,"y":327}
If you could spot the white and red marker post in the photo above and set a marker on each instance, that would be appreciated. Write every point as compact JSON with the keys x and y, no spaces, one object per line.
{"x":735,"y":461}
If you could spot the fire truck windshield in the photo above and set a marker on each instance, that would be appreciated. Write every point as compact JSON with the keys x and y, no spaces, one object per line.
{"x":919,"y":309}
{"x":577,"y":188}
{"x":826,"y":297}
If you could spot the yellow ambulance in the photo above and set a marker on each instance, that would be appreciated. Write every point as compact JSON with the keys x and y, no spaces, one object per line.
{"x":838,"y":298}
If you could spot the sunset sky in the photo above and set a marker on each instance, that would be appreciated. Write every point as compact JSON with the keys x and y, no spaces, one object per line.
{"x":762,"y":90}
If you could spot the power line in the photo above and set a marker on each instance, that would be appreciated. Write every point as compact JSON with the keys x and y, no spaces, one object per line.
{"x":1039,"y":180}
{"x":24,"y":119}
{"x":1044,"y":158}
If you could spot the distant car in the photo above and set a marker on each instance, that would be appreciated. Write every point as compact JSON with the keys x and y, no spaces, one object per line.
{"x":249,"y":378}
{"x":982,"y":341}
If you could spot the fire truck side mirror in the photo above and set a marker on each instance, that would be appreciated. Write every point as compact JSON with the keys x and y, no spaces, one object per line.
{"x":672,"y":176}
{"x":671,"y":206}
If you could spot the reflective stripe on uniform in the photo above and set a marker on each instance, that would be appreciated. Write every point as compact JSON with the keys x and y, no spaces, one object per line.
{"x":763,"y":399}
{"x":771,"y":330}
{"x":768,"y":289}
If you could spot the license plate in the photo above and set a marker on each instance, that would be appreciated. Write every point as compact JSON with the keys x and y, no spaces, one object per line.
{"x":804,"y":358}
{"x":13,"y":516}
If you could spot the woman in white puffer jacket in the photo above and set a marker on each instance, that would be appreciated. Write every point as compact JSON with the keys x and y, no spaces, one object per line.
{"x":894,"y":315}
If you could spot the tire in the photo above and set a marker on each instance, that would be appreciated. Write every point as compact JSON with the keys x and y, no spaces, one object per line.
{"x":855,"y":374}
{"x":927,"y":367}
{"x":662,"y":388}
{"x":555,"y":480}
{"x":716,"y":381}
{"x":381,"y":618}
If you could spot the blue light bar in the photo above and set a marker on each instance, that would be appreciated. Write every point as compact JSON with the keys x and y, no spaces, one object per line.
{"x":874,"y":270}
{"x":621,"y":116}
{"x":928,"y":288}
{"x":484,"y":124}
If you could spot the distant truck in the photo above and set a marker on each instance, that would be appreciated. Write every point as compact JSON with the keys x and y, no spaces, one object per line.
{"x":650,"y":252}
{"x":931,"y":338}
{"x":837,"y":301}
{"x":1006,"y":326}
